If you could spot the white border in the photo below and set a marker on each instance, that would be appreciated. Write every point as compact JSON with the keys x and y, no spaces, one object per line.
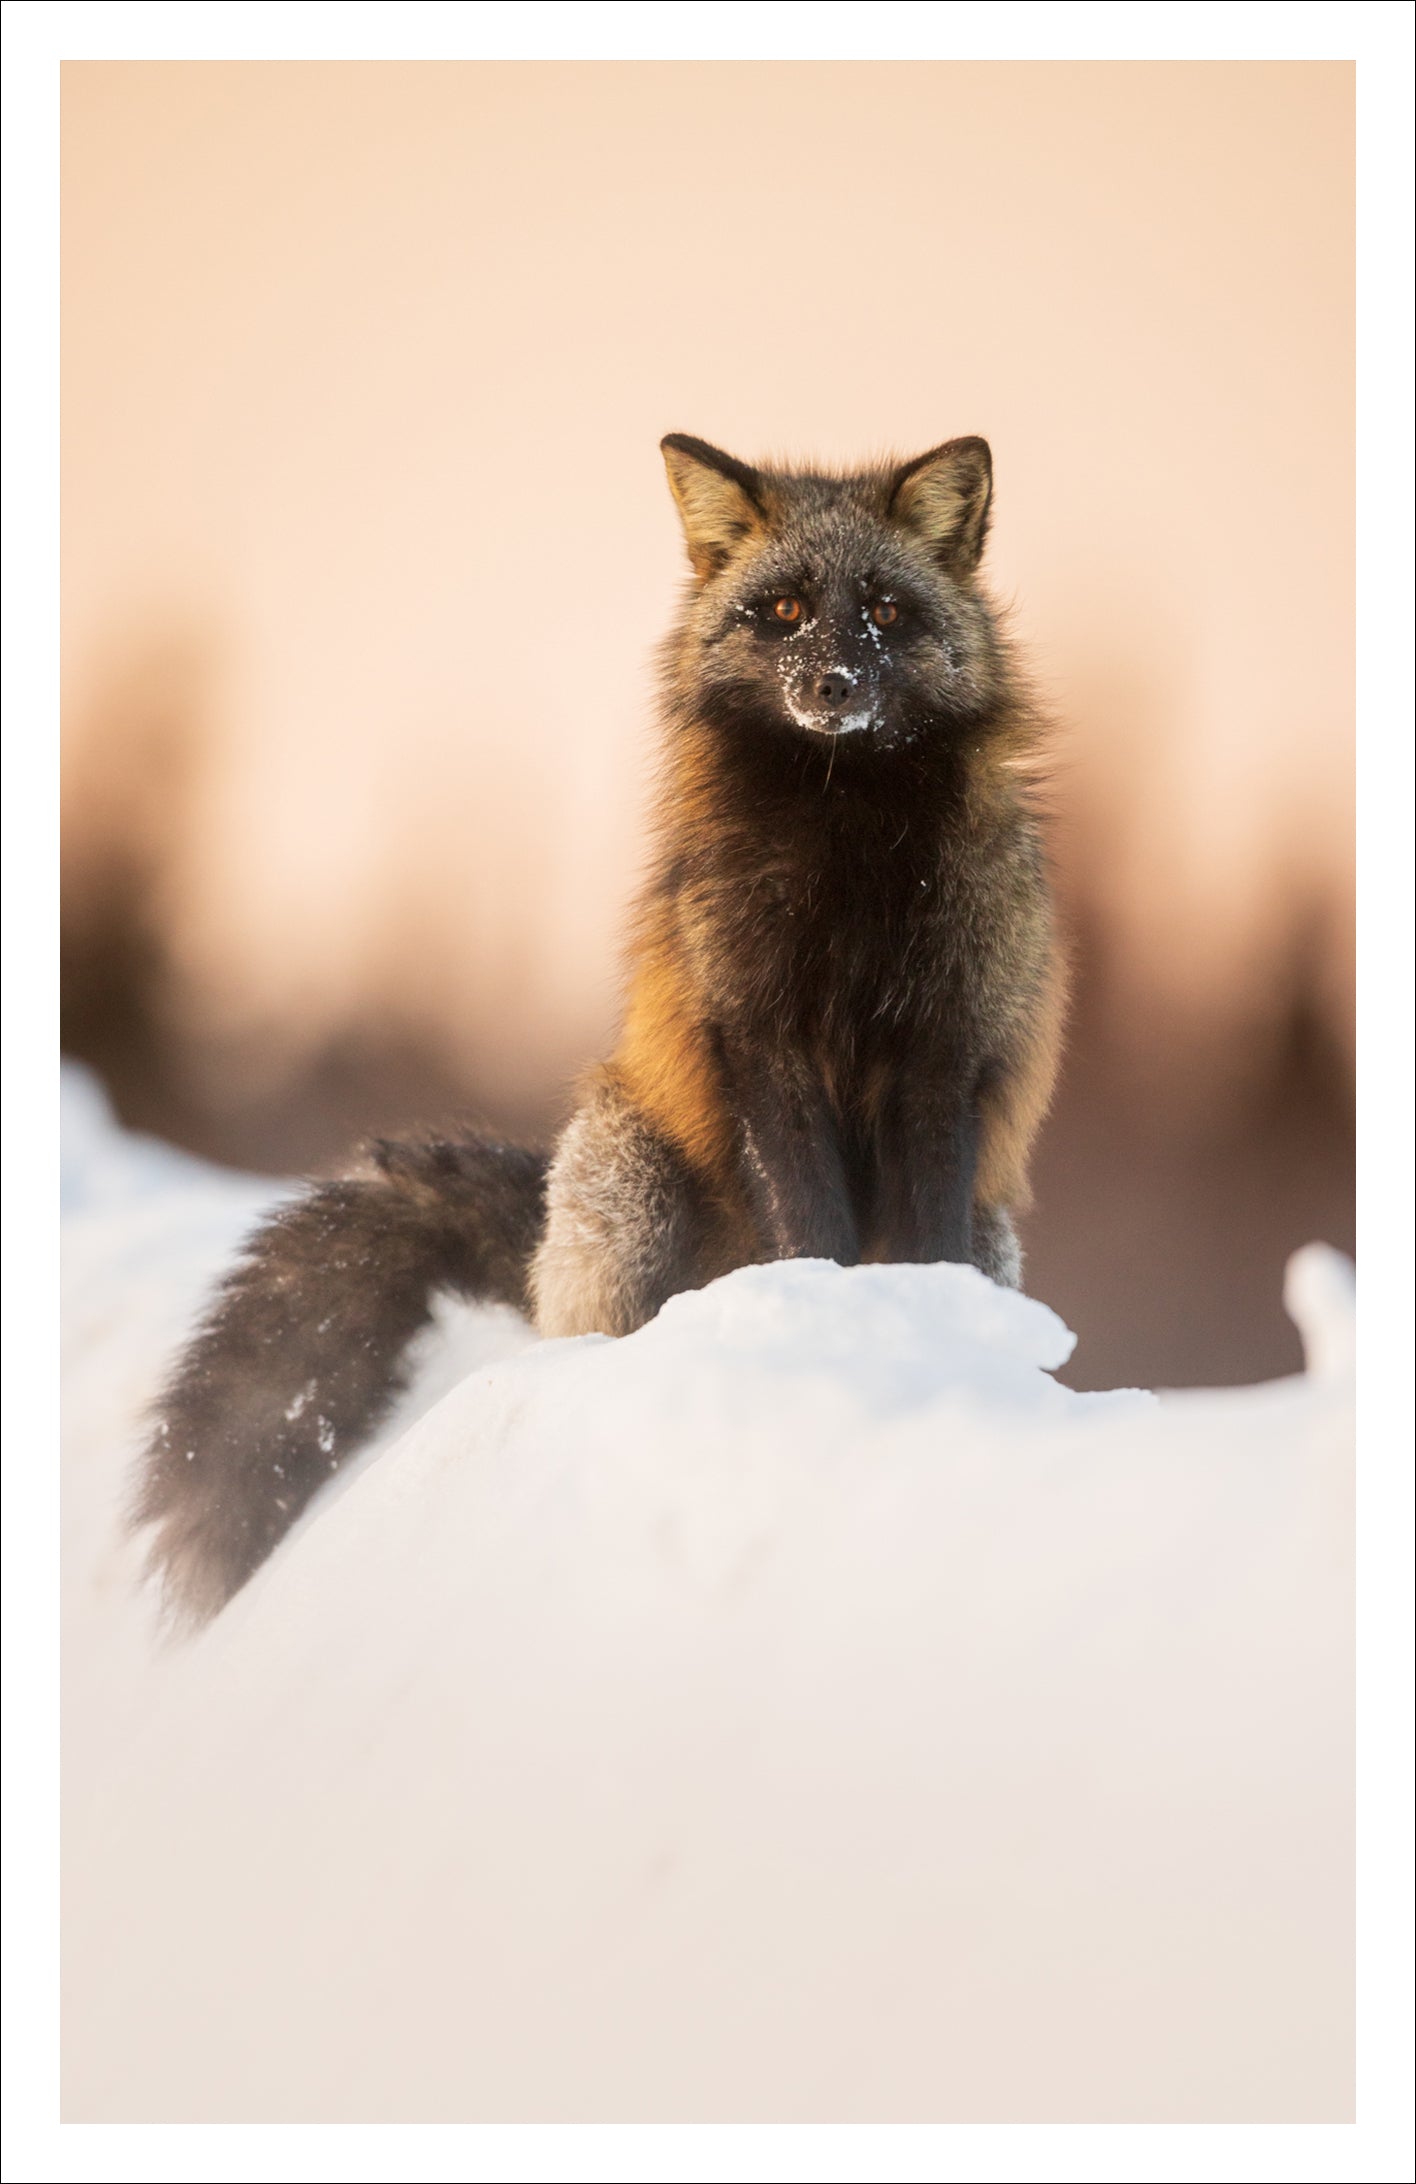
{"x":681,"y":30}
{"x":1379,"y":37}
{"x":1385,"y":1428}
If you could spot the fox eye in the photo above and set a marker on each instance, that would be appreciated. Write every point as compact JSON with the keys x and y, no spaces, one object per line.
{"x":787,"y":610}
{"x":885,"y":612}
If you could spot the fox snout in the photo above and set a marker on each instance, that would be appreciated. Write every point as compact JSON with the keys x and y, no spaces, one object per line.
{"x":831,"y":701}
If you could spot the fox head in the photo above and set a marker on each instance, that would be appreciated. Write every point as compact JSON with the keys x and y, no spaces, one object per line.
{"x":835,"y":606}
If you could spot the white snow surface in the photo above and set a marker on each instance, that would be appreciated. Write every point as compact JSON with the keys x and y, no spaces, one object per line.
{"x":803,"y":1710}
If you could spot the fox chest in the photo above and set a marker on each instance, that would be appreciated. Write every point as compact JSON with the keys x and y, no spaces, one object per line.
{"x":856,"y":966}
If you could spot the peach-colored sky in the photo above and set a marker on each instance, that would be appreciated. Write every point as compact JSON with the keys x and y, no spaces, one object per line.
{"x":365,"y":365}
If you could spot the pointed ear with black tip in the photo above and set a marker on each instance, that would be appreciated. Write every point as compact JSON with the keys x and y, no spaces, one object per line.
{"x":945,"y":496}
{"x":719,"y":499}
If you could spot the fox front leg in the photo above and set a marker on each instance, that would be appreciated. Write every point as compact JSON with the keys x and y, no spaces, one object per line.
{"x":790,"y":1156}
{"x":928,"y":1159}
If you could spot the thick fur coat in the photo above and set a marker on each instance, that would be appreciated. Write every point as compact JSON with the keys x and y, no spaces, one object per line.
{"x":842,"y":1018}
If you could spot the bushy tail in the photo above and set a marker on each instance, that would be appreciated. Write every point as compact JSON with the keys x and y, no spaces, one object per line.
{"x":300,"y":1353}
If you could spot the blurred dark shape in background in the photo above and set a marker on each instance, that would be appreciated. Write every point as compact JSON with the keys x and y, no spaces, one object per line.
{"x":1161,"y":1237}
{"x":1167,"y":1203}
{"x":366,"y":549}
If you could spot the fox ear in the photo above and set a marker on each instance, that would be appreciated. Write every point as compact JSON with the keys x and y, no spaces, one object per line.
{"x":719,"y":499}
{"x":945,"y":497}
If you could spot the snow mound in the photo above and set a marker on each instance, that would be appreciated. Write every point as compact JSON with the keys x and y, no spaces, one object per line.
{"x":804,"y":1709}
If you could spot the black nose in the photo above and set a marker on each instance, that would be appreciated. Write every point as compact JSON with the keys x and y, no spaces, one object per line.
{"x":835,"y":689}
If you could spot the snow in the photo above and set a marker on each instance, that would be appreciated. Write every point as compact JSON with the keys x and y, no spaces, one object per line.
{"x":803,"y":1710}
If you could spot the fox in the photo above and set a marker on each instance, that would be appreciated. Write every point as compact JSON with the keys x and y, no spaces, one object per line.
{"x":842,"y":1018}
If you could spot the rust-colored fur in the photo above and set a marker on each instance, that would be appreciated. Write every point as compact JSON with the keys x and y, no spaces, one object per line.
{"x":778,"y":838}
{"x":842,"y":1022}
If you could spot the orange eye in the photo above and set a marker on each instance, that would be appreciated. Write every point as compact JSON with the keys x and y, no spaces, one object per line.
{"x":886,"y":613}
{"x":788,"y":610}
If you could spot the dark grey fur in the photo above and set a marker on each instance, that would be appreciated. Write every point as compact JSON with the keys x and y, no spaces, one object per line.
{"x":841,"y":1026}
{"x":300,"y":1353}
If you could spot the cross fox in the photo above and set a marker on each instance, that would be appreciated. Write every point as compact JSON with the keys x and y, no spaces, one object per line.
{"x":842,"y":1019}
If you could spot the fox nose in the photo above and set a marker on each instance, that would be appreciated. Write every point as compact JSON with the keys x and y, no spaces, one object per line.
{"x":835,"y":688}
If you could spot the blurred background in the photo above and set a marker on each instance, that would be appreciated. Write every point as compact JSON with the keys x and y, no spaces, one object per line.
{"x":367,"y":548}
